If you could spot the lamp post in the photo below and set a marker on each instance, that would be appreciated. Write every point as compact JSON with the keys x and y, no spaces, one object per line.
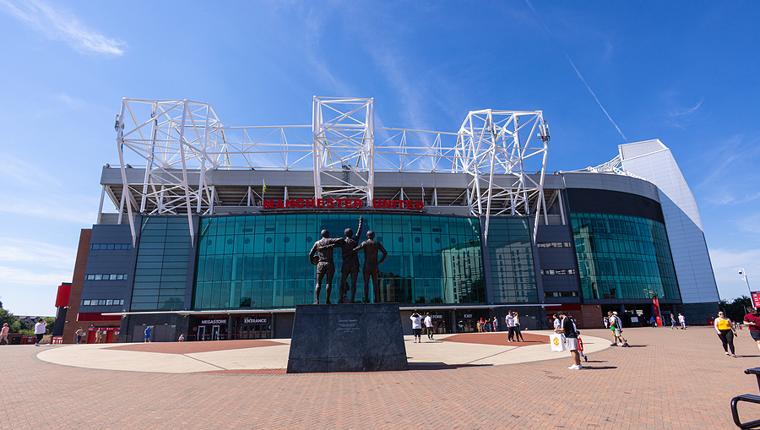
{"x":743,"y":274}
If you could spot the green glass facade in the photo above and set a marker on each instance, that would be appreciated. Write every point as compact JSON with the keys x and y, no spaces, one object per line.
{"x":623,"y":257}
{"x":164,"y":257}
{"x":510,"y":257}
{"x":261,"y":261}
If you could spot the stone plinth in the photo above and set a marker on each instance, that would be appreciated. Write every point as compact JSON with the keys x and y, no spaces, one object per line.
{"x":347,"y":338}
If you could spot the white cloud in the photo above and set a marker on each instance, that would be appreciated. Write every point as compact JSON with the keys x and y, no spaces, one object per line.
{"x":30,"y":191}
{"x":678,"y":113}
{"x":59,"y":24}
{"x":22,"y":172}
{"x":726,"y":264}
{"x":70,"y":101}
{"x":30,"y":271}
{"x":15,"y":276}
{"x":750,"y":223}
{"x":22,"y":251}
{"x":52,"y":209}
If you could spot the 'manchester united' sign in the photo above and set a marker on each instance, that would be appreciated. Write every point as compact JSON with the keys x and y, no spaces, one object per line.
{"x":342,"y":203}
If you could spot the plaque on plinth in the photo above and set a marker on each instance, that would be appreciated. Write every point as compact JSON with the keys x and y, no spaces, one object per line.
{"x":347,"y":338}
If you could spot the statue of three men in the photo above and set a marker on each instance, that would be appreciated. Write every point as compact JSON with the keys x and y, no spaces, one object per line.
{"x":321,"y":254}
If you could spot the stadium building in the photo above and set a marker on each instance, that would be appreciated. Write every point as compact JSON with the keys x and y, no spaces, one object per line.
{"x":213,"y":224}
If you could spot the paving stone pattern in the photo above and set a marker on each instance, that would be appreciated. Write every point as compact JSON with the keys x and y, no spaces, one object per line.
{"x":669,"y":379}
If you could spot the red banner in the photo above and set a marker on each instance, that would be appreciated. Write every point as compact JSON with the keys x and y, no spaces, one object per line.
{"x":62,"y":298}
{"x":657,"y":317}
{"x":756,"y":299}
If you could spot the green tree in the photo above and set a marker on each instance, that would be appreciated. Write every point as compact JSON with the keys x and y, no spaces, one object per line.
{"x":13,"y":322}
{"x":736,"y":309}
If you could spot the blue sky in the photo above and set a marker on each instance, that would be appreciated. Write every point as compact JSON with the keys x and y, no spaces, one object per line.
{"x":683,"y":71}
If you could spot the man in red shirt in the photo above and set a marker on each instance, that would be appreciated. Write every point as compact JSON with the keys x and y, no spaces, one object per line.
{"x":753,"y":321}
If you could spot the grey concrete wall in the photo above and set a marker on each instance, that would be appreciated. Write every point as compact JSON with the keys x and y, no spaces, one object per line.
{"x":109,"y":261}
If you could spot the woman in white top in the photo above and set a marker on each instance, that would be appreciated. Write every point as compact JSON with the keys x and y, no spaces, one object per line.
{"x":518,"y":332}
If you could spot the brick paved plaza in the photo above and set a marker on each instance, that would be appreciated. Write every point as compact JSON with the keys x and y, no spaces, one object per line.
{"x":669,"y":379}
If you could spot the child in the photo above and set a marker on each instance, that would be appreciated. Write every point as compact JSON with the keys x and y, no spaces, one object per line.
{"x":580,"y":348}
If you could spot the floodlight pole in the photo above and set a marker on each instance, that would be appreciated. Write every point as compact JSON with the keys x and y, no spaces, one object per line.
{"x":743,"y":274}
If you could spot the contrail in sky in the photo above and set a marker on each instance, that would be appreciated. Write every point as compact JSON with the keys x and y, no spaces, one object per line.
{"x":578,"y":73}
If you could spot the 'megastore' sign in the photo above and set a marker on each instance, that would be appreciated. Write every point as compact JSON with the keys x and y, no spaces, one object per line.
{"x":330,"y":203}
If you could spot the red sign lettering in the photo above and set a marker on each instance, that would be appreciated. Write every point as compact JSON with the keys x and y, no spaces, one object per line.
{"x":343,"y":203}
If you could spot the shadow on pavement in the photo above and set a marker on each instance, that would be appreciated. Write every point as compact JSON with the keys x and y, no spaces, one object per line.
{"x":599,"y":367}
{"x":425,"y":365}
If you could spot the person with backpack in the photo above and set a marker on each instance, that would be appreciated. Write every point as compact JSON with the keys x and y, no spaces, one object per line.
{"x":580,"y":341}
{"x":568,"y":329}
{"x":429,"y":326}
{"x":616,"y":326}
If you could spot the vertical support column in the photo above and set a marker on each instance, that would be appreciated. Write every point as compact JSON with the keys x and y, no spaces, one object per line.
{"x":369,"y":141}
{"x":100,"y":204}
{"x":561,"y":207}
{"x":151,"y":155}
{"x":185,"y":185}
{"x":123,"y":169}
{"x":317,"y":138}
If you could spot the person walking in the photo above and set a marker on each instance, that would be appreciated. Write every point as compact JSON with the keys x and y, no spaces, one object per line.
{"x":495,"y":324}
{"x":611,"y":322}
{"x":78,"y":335}
{"x":752,"y":320}
{"x":725,"y":329}
{"x":510,"y":321}
{"x":672,"y":321}
{"x":4,"y":334}
{"x":416,"y":327}
{"x":98,"y":335}
{"x":567,"y":328}
{"x":429,"y":325}
{"x":518,"y":332}
{"x":682,"y":321}
{"x":39,"y":331}
{"x":605,"y":322}
{"x":147,"y":334}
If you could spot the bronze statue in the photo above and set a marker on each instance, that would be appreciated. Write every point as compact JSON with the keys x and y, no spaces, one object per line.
{"x":350,"y":265}
{"x":371,"y":248}
{"x":321,"y":254}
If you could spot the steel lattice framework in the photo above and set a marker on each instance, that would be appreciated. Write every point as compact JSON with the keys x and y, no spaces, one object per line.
{"x":181,"y":143}
{"x":344,"y":146}
{"x":499,"y":150}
